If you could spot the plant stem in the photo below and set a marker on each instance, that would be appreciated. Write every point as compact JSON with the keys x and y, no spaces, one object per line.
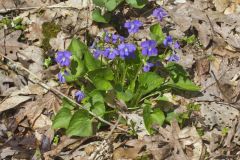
{"x":124,"y":74}
{"x":132,"y":85}
{"x":150,"y":95}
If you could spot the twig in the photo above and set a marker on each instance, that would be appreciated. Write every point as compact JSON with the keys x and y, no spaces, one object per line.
{"x":58,"y":92}
{"x":104,"y":143}
{"x":41,"y":7}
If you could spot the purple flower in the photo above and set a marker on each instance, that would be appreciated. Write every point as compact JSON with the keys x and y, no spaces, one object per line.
{"x":113,"y":53}
{"x":159,"y":13}
{"x":121,"y":38}
{"x":126,"y":50}
{"x":107,"y":37}
{"x":147,"y":67}
{"x":168,"y":41}
{"x":79,"y":96}
{"x":115,"y":38}
{"x":177,"y":45}
{"x":149,"y":48}
{"x":63,"y":58}
{"x":110,"y":53}
{"x":133,"y":26}
{"x":106,"y":52}
{"x":174,"y":58}
{"x":97,"y":53}
{"x":61,"y":77}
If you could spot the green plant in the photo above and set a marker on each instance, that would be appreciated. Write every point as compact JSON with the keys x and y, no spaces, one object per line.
{"x":115,"y":75}
{"x":15,"y":24}
{"x":190,"y":39}
{"x":108,"y":7}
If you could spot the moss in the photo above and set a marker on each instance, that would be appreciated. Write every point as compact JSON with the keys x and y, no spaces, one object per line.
{"x":49,"y":30}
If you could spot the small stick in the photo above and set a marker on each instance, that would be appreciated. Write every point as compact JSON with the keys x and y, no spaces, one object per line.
{"x":104,"y":143}
{"x":60,"y":93}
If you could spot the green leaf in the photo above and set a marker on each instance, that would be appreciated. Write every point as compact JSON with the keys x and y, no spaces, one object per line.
{"x":75,"y":48}
{"x":112,"y":4}
{"x":152,"y":117}
{"x":100,"y":3}
{"x":146,"y":118}
{"x":90,"y":62}
{"x":99,"y":109}
{"x":183,"y":84}
{"x":62,"y":119}
{"x":77,"y":69}
{"x":190,"y":40}
{"x":171,"y":116}
{"x":156,"y":33}
{"x":102,"y":84}
{"x":150,"y":81}
{"x":98,"y":17}
{"x":80,"y":124}
{"x":176,"y":70}
{"x":157,"y":117}
{"x":96,"y":96}
{"x":137,"y":3}
{"x":67,"y":104}
{"x":125,"y":96}
{"x":180,"y":78}
{"x":103,"y":73}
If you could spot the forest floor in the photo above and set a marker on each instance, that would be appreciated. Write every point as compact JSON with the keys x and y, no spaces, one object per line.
{"x":33,"y":30}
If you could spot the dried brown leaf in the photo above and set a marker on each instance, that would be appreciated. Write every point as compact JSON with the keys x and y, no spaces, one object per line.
{"x":219,"y":114}
{"x":13,"y":102}
{"x":32,"y":110}
{"x":10,"y":45}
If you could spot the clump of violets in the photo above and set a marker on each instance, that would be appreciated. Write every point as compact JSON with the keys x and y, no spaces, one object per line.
{"x":159,"y":13}
{"x":79,"y":96}
{"x":126,"y":50}
{"x":147,"y":67}
{"x":133,"y":26}
{"x":63,"y":58}
{"x":149,"y":48}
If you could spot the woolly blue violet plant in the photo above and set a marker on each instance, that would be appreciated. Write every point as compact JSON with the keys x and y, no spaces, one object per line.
{"x":149,"y":48}
{"x":63,"y":58}
{"x":79,"y":96}
{"x":159,"y":13}
{"x":133,"y":26}
{"x":120,"y":71}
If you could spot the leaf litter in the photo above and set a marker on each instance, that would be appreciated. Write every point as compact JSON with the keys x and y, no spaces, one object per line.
{"x":213,"y":62}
